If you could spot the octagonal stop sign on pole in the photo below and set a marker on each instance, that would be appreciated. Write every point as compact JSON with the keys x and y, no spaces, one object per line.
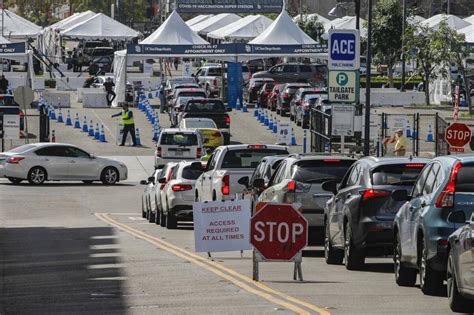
{"x":278,"y":232}
{"x":457,"y":136}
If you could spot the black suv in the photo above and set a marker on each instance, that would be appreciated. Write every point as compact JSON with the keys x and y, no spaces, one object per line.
{"x":359,"y":217}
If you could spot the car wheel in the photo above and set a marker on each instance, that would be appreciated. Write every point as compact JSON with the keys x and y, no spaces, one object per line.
{"x":171,"y":222}
{"x":291,"y":117}
{"x":214,"y":196}
{"x":37,"y":175}
{"x":157,"y":214}
{"x":431,"y":281}
{"x":332,"y":255}
{"x":151,"y":217}
{"x":457,"y":302}
{"x":143,"y":209}
{"x":15,"y":180}
{"x":88,"y":182}
{"x":162,"y":219}
{"x":278,"y":111}
{"x":404,"y":276}
{"x":353,"y":257}
{"x":109,"y":176}
{"x":305,"y":125}
{"x":298,"y":122}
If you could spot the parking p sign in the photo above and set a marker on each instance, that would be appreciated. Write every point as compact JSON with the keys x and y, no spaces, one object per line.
{"x":344,"y":50}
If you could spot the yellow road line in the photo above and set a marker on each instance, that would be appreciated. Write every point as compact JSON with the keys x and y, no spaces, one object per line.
{"x":214,"y":264}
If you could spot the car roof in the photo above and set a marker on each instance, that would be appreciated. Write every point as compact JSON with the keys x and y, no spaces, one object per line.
{"x":197,"y":119}
{"x":463,"y":158}
{"x":245,"y":146}
{"x":318,"y":157}
{"x":393,"y":160}
{"x":178,"y":130}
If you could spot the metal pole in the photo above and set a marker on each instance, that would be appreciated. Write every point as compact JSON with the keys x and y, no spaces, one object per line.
{"x":402,"y":86}
{"x":368,"y":82}
{"x":357,"y":13}
{"x":448,"y":7}
{"x":301,"y":9}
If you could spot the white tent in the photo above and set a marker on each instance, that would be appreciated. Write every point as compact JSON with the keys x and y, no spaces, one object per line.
{"x":470,"y":19}
{"x":468,"y":32}
{"x":345,"y":23}
{"x":17,"y":28}
{"x":283,"y":31}
{"x":174,"y":31}
{"x":453,"y":21}
{"x":320,"y":18}
{"x":100,"y":26}
{"x":198,"y":19}
{"x":3,"y":40}
{"x":246,"y":28}
{"x":214,"y":23}
{"x":415,"y":19}
{"x":72,"y":20}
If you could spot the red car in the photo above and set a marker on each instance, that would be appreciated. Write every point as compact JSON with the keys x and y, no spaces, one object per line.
{"x":273,"y":96}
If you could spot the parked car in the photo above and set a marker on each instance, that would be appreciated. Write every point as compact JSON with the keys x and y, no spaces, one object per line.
{"x":264,"y":93}
{"x":359,"y":216}
{"x":40,"y":162}
{"x":8,"y":106}
{"x":171,"y":83}
{"x":209,"y":77}
{"x":299,"y":97}
{"x":209,"y":108}
{"x":184,"y":95}
{"x":303,"y":111}
{"x":287,"y":94}
{"x":101,"y":64}
{"x":148,"y":195}
{"x":158,"y":192}
{"x":273,"y":97}
{"x":212,"y":137}
{"x":250,"y":92}
{"x":460,"y":269}
{"x":445,"y":186}
{"x":227,"y":165}
{"x":178,"y":194}
{"x":177,"y":144}
{"x":299,"y":179}
{"x":291,"y":72}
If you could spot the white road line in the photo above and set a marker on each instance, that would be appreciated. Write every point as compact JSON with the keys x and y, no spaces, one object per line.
{"x":105,"y":126}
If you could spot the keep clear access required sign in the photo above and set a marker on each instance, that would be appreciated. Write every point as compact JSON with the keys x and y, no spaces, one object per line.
{"x":343,"y":86}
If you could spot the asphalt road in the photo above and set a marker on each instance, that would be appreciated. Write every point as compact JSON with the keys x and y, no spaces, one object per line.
{"x":75,"y":248}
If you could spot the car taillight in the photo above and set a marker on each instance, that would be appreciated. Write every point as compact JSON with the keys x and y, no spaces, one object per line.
{"x":415,"y":165}
{"x":158,"y":151}
{"x":256,"y":146}
{"x":214,"y":82}
{"x":306,"y":106}
{"x":21,"y":114}
{"x":225,"y":185}
{"x":291,"y":185}
{"x":332,"y":161}
{"x":443,"y":243}
{"x":374,"y":193}
{"x":181,"y":187}
{"x":300,"y":101}
{"x":14,"y":159}
{"x":316,"y":74}
{"x":285,"y":95}
{"x":198,"y":153}
{"x":227,"y":120}
{"x":446,"y":198}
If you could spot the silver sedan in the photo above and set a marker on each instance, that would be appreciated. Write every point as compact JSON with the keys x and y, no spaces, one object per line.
{"x":40,"y":162}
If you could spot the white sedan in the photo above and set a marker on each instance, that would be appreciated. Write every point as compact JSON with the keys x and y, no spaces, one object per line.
{"x":40,"y":162}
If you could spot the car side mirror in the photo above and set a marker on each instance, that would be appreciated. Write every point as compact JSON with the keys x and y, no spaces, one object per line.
{"x":143,"y":182}
{"x":457,"y":217}
{"x":258,"y":183}
{"x":244,"y":181}
{"x":151,"y":179}
{"x":400,"y":195}
{"x":331,"y":186}
{"x":162,"y":180}
{"x":92,"y":156}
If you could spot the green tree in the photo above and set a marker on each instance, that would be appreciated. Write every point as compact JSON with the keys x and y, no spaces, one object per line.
{"x":311,"y":26}
{"x":39,"y":11}
{"x":431,"y":49}
{"x":387,"y":31}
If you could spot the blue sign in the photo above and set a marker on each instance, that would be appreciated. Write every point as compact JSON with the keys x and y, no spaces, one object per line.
{"x":12,"y":48}
{"x":229,"y":6}
{"x":344,"y":50}
{"x":234,"y":83}
{"x":282,"y":49}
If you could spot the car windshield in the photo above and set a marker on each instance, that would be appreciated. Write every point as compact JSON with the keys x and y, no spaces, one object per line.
{"x":248,"y":158}
{"x":205,"y":107}
{"x":319,"y":171}
{"x":193,"y":94}
{"x":396,"y":174}
{"x":465,"y":179}
{"x":201,"y":124}
{"x":22,"y":148}
{"x":179,"y":138}
{"x":189,"y":173}
{"x":185,"y":100}
{"x":215,"y":71}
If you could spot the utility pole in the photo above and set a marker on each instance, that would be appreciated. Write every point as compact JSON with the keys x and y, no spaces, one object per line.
{"x":368,"y":81}
{"x":404,"y":21}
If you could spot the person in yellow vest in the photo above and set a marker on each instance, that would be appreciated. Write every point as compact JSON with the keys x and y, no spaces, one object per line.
{"x":128,"y":124}
{"x":400,"y":143}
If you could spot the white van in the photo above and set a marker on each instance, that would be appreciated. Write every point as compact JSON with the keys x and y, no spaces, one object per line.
{"x":176,"y":144}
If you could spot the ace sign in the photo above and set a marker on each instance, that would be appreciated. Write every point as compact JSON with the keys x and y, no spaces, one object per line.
{"x":344,"y":50}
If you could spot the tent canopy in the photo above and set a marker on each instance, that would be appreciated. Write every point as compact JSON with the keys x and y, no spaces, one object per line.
{"x":283,"y":31}
{"x":214,"y":23}
{"x":246,"y":28}
{"x":14,"y":26}
{"x":453,"y":21}
{"x":73,"y":20}
{"x":198,"y":19}
{"x":415,"y":19}
{"x":468,"y":32}
{"x":174,"y":31}
{"x":470,"y":19}
{"x":320,"y":18}
{"x":346,"y":23}
{"x":100,"y":26}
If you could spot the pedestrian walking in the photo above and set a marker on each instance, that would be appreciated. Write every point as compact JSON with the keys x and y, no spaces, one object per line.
{"x":400,"y":143}
{"x":109,"y":88}
{"x":162,"y":96}
{"x":79,"y":63}
{"x":3,"y":85}
{"x":128,"y":124}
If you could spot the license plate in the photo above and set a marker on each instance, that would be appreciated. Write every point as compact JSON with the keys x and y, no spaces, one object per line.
{"x":179,"y":153}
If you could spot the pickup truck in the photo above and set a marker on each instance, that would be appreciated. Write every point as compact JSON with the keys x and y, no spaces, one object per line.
{"x":209,"y":108}
{"x":227,"y":165}
{"x":210,"y":78}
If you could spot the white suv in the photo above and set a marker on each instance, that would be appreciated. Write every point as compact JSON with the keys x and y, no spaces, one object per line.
{"x":175,"y":145}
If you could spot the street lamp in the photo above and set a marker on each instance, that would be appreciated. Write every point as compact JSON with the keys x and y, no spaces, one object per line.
{"x":404,"y":21}
{"x":368,"y":80}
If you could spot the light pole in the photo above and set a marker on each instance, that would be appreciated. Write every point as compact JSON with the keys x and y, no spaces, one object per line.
{"x":404,"y":21}
{"x":368,"y":81}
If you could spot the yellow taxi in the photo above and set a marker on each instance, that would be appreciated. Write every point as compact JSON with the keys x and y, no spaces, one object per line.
{"x":212,"y":137}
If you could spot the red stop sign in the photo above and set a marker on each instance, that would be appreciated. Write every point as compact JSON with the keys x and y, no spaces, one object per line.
{"x":278,"y":231}
{"x":458,"y":135}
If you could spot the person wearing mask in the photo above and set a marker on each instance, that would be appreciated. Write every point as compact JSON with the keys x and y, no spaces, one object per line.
{"x":128,"y":124}
{"x":162,"y":97}
{"x":400,"y":143}
{"x":109,"y":88}
{"x":3,"y":85}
